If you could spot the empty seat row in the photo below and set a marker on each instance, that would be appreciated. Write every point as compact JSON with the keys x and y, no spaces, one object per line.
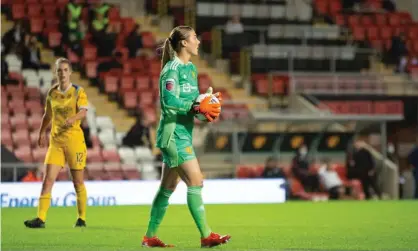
{"x":303,"y":52}
{"x":298,"y":11}
{"x":363,"y":107}
{"x":303,"y":31}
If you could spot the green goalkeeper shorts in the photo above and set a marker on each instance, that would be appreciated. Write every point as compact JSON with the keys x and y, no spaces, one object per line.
{"x":177,"y":152}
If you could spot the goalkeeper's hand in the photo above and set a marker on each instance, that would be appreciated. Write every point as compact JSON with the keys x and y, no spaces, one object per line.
{"x":211,"y":111}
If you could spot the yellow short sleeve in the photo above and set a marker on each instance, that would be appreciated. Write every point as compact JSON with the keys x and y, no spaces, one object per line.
{"x":82,"y":102}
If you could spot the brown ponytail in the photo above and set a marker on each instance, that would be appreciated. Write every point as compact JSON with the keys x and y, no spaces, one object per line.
{"x":173,"y":43}
{"x":168,"y":53}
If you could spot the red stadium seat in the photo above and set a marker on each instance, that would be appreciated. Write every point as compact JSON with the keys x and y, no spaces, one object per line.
{"x":91,"y":69}
{"x":126,"y":84}
{"x":34,"y":10}
{"x":34,"y":122}
{"x":386,"y":32}
{"x":372,"y":32}
{"x":142,"y":82}
{"x":94,"y":155}
{"x":128,"y":25}
{"x":340,"y":20}
{"x":114,"y":171}
{"x":111,"y":84}
{"x":18,"y":11}
{"x":6,"y":136}
{"x":39,"y":154}
{"x":50,"y":11}
{"x":148,"y":40}
{"x":130,"y":100}
{"x":54,"y":39}
{"x":19,"y":123}
{"x":334,"y":7}
{"x":394,"y":19}
{"x":358,"y":33}
{"x":114,"y":14}
{"x":33,"y":136}
{"x":33,"y":93}
{"x":130,"y":171}
{"x":90,"y":53}
{"x":63,"y":175}
{"x":95,"y":171}
{"x":24,"y":153}
{"x":145,"y":98}
{"x":380,"y":19}
{"x":110,"y":155}
{"x":366,"y":21}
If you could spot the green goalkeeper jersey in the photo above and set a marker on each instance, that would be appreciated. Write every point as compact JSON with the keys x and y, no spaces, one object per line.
{"x":178,"y":90}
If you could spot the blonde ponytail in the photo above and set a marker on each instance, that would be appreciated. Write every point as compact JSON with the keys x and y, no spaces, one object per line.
{"x":167,"y":53}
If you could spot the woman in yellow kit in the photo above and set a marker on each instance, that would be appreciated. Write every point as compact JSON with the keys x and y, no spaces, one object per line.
{"x":66,"y":105}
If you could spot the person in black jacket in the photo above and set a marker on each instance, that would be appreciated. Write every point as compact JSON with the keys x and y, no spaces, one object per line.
{"x":272,"y":169}
{"x":362,"y":167}
{"x":300,"y":168}
{"x":139,"y":134}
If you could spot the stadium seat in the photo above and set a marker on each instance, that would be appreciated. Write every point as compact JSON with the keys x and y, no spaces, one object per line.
{"x":114,"y":171}
{"x":127,"y":155}
{"x":34,"y":123}
{"x":24,"y":153}
{"x":95,"y":171}
{"x":63,"y":175}
{"x":111,"y":156}
{"x":144,"y":154}
{"x":94,"y":155}
{"x":131,"y":172}
{"x":39,"y":154}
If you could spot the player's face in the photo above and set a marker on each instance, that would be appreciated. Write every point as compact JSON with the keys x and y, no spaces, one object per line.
{"x":63,"y":73}
{"x":192,"y":44}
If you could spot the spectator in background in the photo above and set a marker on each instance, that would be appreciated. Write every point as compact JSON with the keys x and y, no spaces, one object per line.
{"x":31,"y":54}
{"x":300,"y":168}
{"x":134,"y":41}
{"x":114,"y":63}
{"x":398,"y":52}
{"x":234,"y":26}
{"x":106,"y":40}
{"x":362,"y":167}
{"x":388,"y":5}
{"x":139,"y":134}
{"x":99,"y":11}
{"x":73,"y":31}
{"x":4,"y":70}
{"x":333,"y":183}
{"x":73,"y":11}
{"x":272,"y":169}
{"x":14,"y":38}
{"x":413,"y":164}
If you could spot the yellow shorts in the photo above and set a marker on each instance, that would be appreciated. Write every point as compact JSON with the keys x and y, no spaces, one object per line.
{"x":74,"y":153}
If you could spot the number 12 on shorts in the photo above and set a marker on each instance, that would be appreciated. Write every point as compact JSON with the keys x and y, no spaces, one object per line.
{"x":79,"y":157}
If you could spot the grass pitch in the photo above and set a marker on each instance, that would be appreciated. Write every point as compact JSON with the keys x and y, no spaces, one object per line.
{"x":383,"y":225}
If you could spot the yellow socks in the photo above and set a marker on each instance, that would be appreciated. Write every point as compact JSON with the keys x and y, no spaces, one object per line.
{"x":81,"y":201}
{"x":44,"y":203}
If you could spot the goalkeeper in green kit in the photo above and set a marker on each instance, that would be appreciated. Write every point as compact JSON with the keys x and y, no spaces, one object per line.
{"x":178,"y":92}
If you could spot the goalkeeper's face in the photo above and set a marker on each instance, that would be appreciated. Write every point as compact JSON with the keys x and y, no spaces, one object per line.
{"x":192,"y":44}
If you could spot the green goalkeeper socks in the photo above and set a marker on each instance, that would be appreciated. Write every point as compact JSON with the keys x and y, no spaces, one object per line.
{"x":195,"y":203}
{"x":159,"y":206}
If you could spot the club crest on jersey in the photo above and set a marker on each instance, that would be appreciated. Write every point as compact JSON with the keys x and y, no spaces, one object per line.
{"x":193,"y":74}
{"x":169,"y":85}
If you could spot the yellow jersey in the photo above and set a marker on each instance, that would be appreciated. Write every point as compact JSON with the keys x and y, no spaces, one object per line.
{"x":63,"y":105}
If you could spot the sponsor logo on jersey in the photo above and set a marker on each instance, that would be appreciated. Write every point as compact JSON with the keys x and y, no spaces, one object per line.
{"x":169,"y":85}
{"x":189,"y":150}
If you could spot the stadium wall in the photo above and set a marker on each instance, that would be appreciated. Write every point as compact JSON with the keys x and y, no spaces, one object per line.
{"x":110,"y":193}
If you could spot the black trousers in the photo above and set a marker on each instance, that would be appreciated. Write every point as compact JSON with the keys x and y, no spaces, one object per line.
{"x":370,"y":182}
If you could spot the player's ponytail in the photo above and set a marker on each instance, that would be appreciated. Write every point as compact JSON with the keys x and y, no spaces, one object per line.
{"x":172,"y":44}
{"x":167,"y":52}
